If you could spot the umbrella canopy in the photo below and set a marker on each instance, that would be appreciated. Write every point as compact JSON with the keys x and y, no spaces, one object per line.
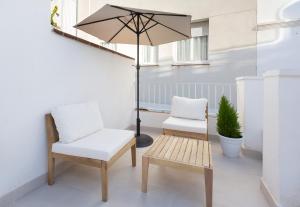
{"x":117,"y":24}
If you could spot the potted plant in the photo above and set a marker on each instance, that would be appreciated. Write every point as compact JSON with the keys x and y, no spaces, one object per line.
{"x":228,"y":129}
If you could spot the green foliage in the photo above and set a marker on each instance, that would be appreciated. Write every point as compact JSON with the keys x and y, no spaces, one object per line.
{"x":54,"y":13}
{"x":227,"y":120}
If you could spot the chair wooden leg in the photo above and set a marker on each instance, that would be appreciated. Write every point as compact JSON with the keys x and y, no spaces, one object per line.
{"x":208,"y":174}
{"x":133,"y":155}
{"x":51,"y":170}
{"x":104,"y":179}
{"x":145,"y":168}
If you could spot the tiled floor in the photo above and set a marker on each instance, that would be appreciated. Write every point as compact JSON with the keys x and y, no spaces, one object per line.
{"x":236,"y":184}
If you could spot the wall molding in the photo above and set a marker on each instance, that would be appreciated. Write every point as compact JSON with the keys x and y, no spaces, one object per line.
{"x":277,"y":24}
{"x":251,"y":153}
{"x":268,"y":195}
{"x":10,"y":198}
{"x":60,"y":32}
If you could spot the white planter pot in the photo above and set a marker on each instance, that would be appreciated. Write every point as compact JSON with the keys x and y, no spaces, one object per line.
{"x":231,"y":146}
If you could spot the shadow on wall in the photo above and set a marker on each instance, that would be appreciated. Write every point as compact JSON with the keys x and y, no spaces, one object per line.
{"x":223,"y":66}
{"x":290,"y":11}
{"x":283,"y":51}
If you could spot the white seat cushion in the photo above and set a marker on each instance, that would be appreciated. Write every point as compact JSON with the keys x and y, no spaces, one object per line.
{"x":101,"y":145}
{"x":188,"y":125}
{"x":188,"y":108}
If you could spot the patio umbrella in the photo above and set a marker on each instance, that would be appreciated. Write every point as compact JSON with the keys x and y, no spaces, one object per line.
{"x":115,"y":24}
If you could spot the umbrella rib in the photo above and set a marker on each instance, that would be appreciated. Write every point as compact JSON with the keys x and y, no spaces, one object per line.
{"x":146,"y":31}
{"x":134,"y":21}
{"x":125,"y":24}
{"x":83,"y":24}
{"x":146,"y":23}
{"x":167,"y":27}
{"x":149,"y":27}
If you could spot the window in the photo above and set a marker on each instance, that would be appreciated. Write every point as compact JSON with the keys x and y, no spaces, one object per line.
{"x":148,"y":55}
{"x":194,"y":50}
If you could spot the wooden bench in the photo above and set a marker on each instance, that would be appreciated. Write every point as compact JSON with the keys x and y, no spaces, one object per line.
{"x":180,"y":152}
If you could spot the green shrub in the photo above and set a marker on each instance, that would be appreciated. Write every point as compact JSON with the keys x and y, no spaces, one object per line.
{"x":227,"y":120}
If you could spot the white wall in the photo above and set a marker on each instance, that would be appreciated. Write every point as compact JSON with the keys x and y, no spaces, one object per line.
{"x":278,"y":49}
{"x":39,"y":70}
{"x":271,"y":129}
{"x":281,"y":149}
{"x":270,"y":11}
{"x":278,"y":43}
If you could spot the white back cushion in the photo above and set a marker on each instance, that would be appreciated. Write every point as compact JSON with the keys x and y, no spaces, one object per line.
{"x":188,"y":108}
{"x":76,"y":121}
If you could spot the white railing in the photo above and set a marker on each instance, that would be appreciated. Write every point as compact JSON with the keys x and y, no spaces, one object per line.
{"x":157,"y":96}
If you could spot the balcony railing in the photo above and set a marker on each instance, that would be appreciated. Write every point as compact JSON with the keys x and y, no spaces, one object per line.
{"x":158,"y":96}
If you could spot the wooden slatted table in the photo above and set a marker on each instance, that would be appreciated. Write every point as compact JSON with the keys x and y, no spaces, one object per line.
{"x":179,"y":152}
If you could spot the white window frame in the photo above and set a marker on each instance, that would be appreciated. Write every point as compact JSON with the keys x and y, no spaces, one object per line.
{"x":147,"y":59}
{"x":191,"y":51}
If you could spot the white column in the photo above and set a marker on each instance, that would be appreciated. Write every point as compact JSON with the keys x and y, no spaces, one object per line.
{"x":250,"y":110}
{"x":281,"y":137}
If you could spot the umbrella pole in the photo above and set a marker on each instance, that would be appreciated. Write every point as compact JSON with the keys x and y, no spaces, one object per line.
{"x":142,"y":140}
{"x":138,"y":120}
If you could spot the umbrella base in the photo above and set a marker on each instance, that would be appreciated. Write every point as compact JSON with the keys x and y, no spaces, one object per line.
{"x":143,"y":140}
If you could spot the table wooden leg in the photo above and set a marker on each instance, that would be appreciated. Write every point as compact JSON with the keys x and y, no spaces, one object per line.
{"x":208,"y":175}
{"x":133,"y":155}
{"x":145,"y":167}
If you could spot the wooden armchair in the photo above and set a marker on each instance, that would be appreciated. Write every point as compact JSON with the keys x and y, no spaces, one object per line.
{"x":191,"y":122}
{"x":101,"y":154}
